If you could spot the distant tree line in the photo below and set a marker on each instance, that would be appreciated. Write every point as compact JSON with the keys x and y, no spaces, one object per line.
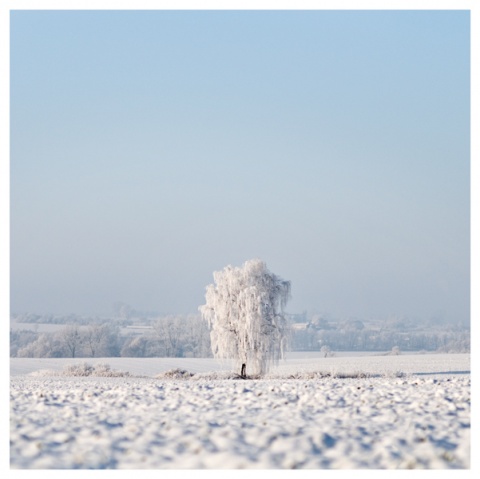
{"x":171,"y":336}
{"x":353,"y":335}
{"x":189,"y":336}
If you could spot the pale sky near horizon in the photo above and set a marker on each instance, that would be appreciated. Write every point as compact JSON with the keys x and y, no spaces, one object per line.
{"x":149,"y":149}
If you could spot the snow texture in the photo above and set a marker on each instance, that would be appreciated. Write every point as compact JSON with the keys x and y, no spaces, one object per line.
{"x":177,"y":420}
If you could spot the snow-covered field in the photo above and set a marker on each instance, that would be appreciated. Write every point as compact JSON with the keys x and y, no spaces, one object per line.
{"x":406,"y":411}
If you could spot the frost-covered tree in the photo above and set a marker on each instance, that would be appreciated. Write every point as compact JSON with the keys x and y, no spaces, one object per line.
{"x":136,"y":347}
{"x":169,"y":331}
{"x":182,"y":336}
{"x":72,"y":339}
{"x":20,"y":339}
{"x":47,"y":345}
{"x":95,"y":337}
{"x":244,"y":310}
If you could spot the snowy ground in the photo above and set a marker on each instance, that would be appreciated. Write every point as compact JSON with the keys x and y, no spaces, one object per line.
{"x":407,"y":411}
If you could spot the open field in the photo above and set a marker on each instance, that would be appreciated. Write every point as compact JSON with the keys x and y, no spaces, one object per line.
{"x":407,"y":411}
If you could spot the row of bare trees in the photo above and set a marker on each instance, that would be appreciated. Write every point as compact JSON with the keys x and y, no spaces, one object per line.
{"x":311,"y":339}
{"x":175,"y":336}
{"x":95,"y":340}
{"x":172,"y":336}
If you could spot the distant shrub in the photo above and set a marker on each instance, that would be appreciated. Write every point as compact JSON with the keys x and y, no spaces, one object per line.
{"x":82,"y":369}
{"x":176,"y":373}
{"x":99,"y":370}
{"x":104,"y":370}
{"x":327,"y":352}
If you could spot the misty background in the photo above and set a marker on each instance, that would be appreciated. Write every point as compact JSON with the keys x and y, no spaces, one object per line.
{"x":151,"y":148}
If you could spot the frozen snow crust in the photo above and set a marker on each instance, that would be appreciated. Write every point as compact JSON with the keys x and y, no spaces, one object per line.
{"x":177,"y":420}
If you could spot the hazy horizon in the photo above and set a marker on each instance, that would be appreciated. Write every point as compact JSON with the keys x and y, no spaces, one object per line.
{"x":152,"y":148}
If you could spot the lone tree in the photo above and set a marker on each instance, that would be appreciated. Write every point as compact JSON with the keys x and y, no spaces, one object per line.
{"x":244,"y":310}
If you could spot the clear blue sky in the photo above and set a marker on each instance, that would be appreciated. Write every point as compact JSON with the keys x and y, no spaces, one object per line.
{"x":149,"y":149}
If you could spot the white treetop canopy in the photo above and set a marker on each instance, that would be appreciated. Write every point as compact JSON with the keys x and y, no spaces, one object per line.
{"x":244,"y":310}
